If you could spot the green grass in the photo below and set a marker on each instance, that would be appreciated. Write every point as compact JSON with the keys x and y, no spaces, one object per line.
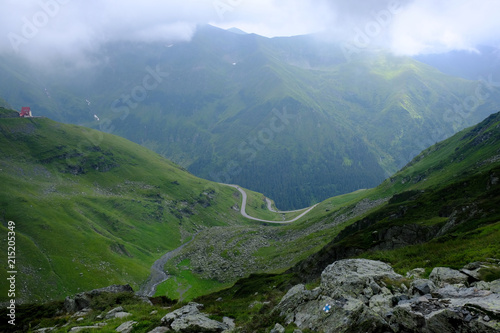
{"x":184,"y":284}
{"x":453,"y":250}
{"x":92,"y":209}
{"x":237,"y":299}
{"x":453,"y":181}
{"x":142,"y":313}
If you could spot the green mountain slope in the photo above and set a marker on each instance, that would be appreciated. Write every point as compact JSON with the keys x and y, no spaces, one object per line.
{"x":288,"y":117}
{"x":92,"y":209}
{"x":443,"y":208}
{"x":443,"y":211}
{"x":439,"y":210}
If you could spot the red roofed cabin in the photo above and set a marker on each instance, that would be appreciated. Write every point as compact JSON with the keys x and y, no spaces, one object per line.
{"x":25,"y":112}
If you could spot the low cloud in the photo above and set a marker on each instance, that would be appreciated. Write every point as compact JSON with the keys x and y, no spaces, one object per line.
{"x":427,"y":26}
{"x":39,"y":29}
{"x":45,"y":28}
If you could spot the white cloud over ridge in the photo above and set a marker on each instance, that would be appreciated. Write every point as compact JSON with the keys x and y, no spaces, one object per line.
{"x":427,"y":26}
{"x":40,"y":28}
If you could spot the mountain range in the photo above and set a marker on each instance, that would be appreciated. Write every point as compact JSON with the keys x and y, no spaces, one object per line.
{"x":90,"y":213}
{"x":92,"y":208}
{"x":127,"y":169}
{"x":287,"y":117}
{"x":482,"y":62}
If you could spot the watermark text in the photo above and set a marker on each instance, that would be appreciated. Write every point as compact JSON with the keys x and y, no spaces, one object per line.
{"x":11,"y":272}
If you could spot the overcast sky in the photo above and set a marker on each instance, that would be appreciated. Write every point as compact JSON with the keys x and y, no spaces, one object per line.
{"x":68,"y":27}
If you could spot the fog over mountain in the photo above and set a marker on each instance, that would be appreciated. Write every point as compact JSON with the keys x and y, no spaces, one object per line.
{"x":55,"y":28}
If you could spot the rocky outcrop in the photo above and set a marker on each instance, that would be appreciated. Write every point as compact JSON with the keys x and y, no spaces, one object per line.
{"x":359,"y":295}
{"x":83,"y":300}
{"x":402,"y":235}
{"x":190,"y":319}
{"x":343,"y":298}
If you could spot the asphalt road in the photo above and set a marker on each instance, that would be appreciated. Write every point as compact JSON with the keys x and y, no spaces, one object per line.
{"x":244,"y":205}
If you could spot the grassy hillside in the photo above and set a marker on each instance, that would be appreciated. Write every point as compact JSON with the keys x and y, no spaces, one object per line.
{"x":4,"y":104}
{"x":443,"y":209}
{"x":92,"y":209}
{"x":287,"y":117}
{"x":440,"y":210}
{"x":6,"y":112}
{"x":448,"y":198}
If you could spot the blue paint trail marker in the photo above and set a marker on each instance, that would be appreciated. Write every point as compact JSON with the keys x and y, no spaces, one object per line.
{"x":327,"y":308}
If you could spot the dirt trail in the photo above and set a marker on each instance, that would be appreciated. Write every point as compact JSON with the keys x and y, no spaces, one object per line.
{"x":158,"y":275}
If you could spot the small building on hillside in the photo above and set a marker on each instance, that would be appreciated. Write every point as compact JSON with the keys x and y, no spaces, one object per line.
{"x":25,"y":112}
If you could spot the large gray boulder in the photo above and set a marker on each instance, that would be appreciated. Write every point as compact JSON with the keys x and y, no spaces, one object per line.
{"x":353,"y":296}
{"x":454,"y":292}
{"x":190,"y":319}
{"x":345,"y":315}
{"x":356,"y":277}
{"x":493,"y":286}
{"x":160,"y":329}
{"x":444,"y":275}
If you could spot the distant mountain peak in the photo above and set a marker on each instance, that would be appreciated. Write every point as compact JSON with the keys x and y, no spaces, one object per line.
{"x":237,"y":31}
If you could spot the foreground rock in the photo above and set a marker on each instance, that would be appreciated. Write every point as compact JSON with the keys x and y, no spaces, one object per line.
{"x":190,"y":319}
{"x":359,"y":295}
{"x":442,"y":276}
{"x":126,"y":327}
{"x":118,"y":312}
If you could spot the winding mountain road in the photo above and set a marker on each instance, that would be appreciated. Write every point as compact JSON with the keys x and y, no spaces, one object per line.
{"x":244,"y":205}
{"x":158,"y":274}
